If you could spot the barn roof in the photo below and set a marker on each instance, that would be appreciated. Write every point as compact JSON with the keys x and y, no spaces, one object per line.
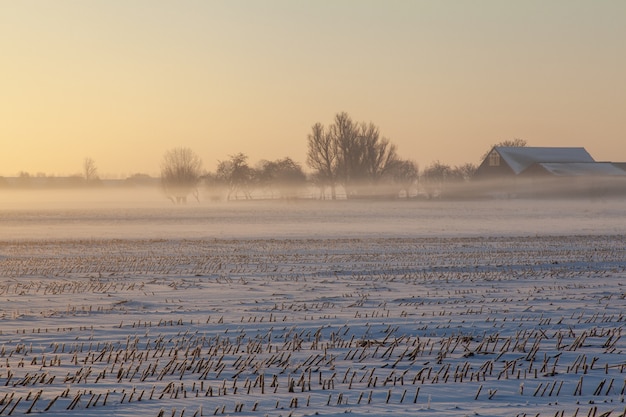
{"x":621,"y":165}
{"x":568,"y":169}
{"x":520,"y":158}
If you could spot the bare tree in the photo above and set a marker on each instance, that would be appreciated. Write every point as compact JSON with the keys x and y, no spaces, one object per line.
{"x":463,"y":172}
{"x":216,"y":187}
{"x":351,"y":154}
{"x":180,"y":174}
{"x":237,"y":174}
{"x":435,"y":177}
{"x":24,"y":179}
{"x":510,"y":143}
{"x":515,"y":142}
{"x":378,"y":153}
{"x":323,"y":157}
{"x":90,"y":171}
{"x":405,"y":175}
{"x":283,"y":175}
{"x":344,"y":133}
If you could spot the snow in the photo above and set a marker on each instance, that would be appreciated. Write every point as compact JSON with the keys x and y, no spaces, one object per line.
{"x":492,"y":308}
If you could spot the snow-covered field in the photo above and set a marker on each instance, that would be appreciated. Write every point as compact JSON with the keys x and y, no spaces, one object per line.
{"x":494,"y":308}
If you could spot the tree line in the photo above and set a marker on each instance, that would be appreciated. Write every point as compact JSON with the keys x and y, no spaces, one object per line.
{"x":345,"y":155}
{"x":346,"y":159}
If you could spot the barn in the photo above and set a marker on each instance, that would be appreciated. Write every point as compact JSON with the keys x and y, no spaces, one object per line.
{"x":523,"y":169}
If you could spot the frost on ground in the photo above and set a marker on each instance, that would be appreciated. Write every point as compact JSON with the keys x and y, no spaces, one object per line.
{"x":451,"y":326}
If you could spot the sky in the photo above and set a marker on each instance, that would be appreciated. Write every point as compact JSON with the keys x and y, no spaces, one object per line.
{"x":122,"y":82}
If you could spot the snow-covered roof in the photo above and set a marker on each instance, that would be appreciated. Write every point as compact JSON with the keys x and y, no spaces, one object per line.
{"x":520,"y":158}
{"x":582,"y":168}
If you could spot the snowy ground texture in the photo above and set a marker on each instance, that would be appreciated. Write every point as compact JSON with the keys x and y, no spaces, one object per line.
{"x":497,"y":324}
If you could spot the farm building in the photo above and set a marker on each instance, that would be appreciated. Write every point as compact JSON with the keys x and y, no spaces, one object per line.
{"x":522,"y":169}
{"x":512,"y":161}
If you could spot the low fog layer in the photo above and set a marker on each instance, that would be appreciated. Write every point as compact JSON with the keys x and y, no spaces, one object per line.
{"x":146,"y":214}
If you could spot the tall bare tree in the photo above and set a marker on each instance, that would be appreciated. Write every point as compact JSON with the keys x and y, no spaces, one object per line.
{"x":345,"y":134}
{"x":323,"y":157}
{"x":180,"y":174}
{"x":90,"y":171}
{"x":378,"y":153}
{"x":349,"y":153}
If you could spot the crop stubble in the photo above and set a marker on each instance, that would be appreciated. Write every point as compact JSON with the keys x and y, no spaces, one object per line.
{"x":497,"y":326}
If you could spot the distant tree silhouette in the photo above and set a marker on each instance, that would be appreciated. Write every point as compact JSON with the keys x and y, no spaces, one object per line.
{"x":348,"y":153}
{"x":344,"y":134}
{"x":215,"y":186}
{"x":24,"y":180}
{"x":377,"y":155}
{"x":435,"y":177}
{"x":323,"y":158}
{"x":139,"y":179}
{"x":404,"y":174}
{"x":282,"y":175}
{"x":512,"y":143}
{"x":180,"y":174}
{"x":463,"y":172}
{"x":237,"y":175}
{"x":90,"y":171}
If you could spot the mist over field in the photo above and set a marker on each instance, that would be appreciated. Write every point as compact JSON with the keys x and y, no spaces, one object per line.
{"x":118,"y":302}
{"x":145,"y":213}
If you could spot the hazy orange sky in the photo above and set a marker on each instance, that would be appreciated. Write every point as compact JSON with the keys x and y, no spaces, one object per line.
{"x":123,"y":81}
